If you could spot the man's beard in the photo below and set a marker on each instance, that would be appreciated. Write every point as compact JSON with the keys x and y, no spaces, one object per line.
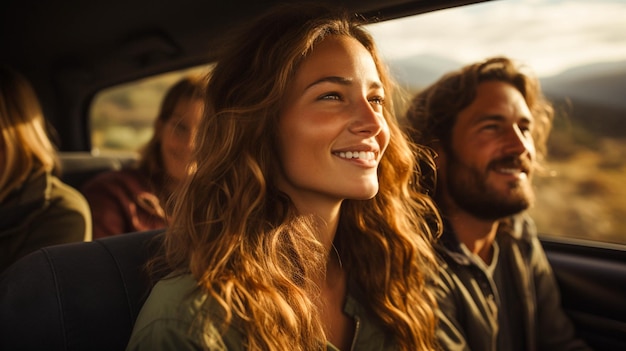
{"x":471,"y":191}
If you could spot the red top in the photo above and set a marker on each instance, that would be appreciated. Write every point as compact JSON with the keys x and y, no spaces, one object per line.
{"x":123,"y":202}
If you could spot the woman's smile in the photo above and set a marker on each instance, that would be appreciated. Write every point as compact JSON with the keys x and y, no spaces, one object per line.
{"x":335,"y":103}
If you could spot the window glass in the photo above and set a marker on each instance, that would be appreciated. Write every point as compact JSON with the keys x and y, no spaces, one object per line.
{"x":578,"y":50}
{"x":122,"y":116}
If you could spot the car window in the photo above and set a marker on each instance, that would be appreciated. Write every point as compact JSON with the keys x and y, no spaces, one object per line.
{"x":578,"y":50}
{"x":576,"y":47}
{"x":121,"y":117}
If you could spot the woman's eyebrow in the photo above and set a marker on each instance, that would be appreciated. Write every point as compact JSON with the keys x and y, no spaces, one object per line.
{"x":331,"y":79}
{"x":342,"y":81}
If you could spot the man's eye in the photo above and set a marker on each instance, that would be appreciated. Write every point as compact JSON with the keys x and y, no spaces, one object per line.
{"x":491,"y":127}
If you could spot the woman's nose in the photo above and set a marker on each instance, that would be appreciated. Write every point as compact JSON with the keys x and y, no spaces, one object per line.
{"x":367,"y":120}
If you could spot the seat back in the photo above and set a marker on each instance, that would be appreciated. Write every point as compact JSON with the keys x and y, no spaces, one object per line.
{"x":78,"y":167}
{"x":79,"y":296}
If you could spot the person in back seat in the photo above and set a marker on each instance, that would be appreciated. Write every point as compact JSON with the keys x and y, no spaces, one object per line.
{"x":36,"y":208}
{"x":135,"y":199}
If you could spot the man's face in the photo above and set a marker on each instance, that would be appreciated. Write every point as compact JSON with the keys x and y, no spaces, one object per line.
{"x":486,"y":170}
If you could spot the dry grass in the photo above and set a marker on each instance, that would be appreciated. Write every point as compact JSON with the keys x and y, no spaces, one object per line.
{"x":584,"y":196}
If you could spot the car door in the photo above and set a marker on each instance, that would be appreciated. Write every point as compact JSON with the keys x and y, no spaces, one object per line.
{"x":592,"y":281}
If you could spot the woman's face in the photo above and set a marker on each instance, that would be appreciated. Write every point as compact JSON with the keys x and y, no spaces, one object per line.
{"x":177,"y":135}
{"x":332,"y":132}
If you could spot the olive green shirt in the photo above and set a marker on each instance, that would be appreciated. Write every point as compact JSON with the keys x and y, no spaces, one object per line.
{"x":469,"y":300}
{"x":166,"y":322}
{"x":44,"y":211}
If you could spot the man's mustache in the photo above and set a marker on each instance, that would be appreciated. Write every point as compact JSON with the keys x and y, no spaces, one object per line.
{"x":523,"y":163}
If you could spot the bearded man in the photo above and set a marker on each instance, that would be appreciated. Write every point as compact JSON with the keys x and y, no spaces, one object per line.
{"x":488,"y":125}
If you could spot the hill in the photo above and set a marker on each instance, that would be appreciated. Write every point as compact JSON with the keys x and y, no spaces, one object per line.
{"x":599,"y":83}
{"x":416,"y":72}
{"x":592,"y":97}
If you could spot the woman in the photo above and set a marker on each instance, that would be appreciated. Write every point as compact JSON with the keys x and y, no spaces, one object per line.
{"x":298,"y":230}
{"x":133,"y":199}
{"x":36,"y":208}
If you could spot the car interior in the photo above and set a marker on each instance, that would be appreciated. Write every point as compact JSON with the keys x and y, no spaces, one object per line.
{"x":86,"y":296}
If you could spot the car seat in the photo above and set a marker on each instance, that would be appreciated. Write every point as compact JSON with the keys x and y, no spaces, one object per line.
{"x":79,"y":167}
{"x":78,"y":296}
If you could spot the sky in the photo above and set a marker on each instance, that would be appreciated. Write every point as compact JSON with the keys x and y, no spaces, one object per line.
{"x":548,"y":35}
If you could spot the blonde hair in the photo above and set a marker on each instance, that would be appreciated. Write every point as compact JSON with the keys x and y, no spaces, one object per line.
{"x":241,"y":238}
{"x":24,"y":143}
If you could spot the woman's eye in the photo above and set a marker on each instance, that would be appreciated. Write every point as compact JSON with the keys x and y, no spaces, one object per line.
{"x":378,"y":100}
{"x":526,"y":129}
{"x":179,"y":129}
{"x":330,"y":96}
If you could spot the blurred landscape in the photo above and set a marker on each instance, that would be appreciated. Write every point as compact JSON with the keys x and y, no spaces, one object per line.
{"x":122,"y":117}
{"x":581,"y":194}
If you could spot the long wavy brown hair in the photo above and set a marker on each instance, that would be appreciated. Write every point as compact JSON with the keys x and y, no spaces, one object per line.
{"x":243,"y":240}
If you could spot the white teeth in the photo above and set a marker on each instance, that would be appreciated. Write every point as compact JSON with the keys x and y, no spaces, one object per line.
{"x":363,"y":155}
{"x":510,"y":170}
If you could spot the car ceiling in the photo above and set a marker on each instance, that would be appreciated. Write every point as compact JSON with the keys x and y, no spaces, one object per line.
{"x":71,"y":49}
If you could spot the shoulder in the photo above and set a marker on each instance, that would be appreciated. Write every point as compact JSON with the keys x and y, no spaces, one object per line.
{"x":122,"y":184}
{"x":177,"y":315}
{"x":117,"y":178}
{"x":64,"y":214}
{"x":171,"y":298}
{"x":66,"y":196}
